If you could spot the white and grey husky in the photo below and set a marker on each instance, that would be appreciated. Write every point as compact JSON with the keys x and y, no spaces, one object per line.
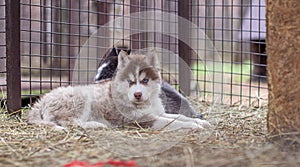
{"x":132,"y":96}
{"x":173,"y":101}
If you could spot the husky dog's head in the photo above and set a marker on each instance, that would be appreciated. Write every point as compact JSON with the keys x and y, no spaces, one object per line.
{"x":138,"y":79}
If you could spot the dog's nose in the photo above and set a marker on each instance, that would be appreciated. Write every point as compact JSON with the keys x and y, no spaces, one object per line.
{"x":138,"y":95}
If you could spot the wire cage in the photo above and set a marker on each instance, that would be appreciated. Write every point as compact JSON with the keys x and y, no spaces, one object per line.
{"x":2,"y":53}
{"x":214,"y":50}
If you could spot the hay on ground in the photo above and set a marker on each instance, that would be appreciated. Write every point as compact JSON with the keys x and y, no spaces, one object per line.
{"x":238,"y":139}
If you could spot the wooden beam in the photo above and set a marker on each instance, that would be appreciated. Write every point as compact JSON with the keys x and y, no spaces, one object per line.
{"x":283,"y":50}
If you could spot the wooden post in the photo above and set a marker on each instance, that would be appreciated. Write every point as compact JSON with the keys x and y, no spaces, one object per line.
{"x":283,"y":50}
{"x":13,"y":52}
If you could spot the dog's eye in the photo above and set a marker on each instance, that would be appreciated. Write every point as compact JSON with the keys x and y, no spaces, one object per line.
{"x":130,"y":82}
{"x":145,"y":81}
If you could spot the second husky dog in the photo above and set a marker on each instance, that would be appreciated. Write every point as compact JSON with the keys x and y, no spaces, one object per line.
{"x":131,"y":96}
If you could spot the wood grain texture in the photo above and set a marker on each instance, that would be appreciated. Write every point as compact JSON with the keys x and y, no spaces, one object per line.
{"x":283,"y":49}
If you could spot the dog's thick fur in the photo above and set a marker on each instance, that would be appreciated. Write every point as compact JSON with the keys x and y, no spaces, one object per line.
{"x":173,"y":101}
{"x":131,"y":96}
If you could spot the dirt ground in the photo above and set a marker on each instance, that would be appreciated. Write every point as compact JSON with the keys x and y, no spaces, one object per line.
{"x":239,"y":138}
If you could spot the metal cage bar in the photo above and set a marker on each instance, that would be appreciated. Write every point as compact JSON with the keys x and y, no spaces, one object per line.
{"x":13,"y":55}
{"x":184,"y":49}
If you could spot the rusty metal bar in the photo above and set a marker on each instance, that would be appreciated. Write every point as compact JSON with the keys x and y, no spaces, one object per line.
{"x":183,"y":48}
{"x":134,"y":24}
{"x":73,"y":26}
{"x":138,"y":41}
{"x":12,"y":20}
{"x":103,"y":9}
{"x":55,"y":51}
{"x":143,"y":24}
{"x":44,"y":19}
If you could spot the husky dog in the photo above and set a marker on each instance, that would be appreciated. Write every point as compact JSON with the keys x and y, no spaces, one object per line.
{"x":174,"y":102}
{"x":132,"y":96}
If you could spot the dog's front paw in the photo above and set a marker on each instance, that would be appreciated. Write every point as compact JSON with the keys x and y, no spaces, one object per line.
{"x":204,"y":124}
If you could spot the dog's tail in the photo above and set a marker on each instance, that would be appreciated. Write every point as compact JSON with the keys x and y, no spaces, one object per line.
{"x":35,"y":116}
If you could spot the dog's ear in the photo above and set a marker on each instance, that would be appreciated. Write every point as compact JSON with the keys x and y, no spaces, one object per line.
{"x":127,"y":50}
{"x":152,"y":59}
{"x":122,"y":59}
{"x":113,"y":52}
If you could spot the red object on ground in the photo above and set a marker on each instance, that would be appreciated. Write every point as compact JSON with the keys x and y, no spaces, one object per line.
{"x":100,"y":164}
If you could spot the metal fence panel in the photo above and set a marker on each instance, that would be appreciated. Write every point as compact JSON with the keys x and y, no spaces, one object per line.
{"x":62,"y":42}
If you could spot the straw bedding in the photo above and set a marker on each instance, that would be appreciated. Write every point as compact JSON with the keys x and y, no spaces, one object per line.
{"x":239,"y":138}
